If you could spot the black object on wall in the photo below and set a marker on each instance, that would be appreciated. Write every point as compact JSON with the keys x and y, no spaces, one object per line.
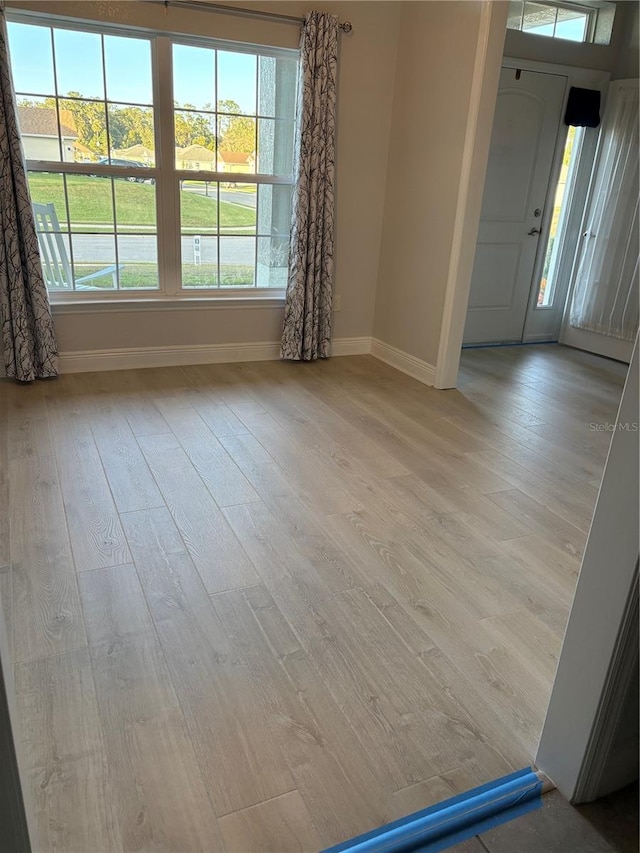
{"x":583,"y":108}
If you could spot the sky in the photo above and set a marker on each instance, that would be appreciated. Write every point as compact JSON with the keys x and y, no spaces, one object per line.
{"x":572,"y":29}
{"x":128,"y":68}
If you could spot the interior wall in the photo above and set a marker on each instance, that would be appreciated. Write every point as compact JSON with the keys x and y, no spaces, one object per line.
{"x":365,"y":94}
{"x":437,"y":44}
{"x":628,"y":59}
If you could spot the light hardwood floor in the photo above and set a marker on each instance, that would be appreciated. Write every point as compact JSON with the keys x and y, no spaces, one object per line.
{"x":266,"y":607}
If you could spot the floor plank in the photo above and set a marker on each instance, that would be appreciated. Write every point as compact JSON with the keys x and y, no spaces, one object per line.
{"x":220,"y":700}
{"x":279,"y":824}
{"x":160,"y":796}
{"x":220,"y":474}
{"x":66,"y":758}
{"x":161,"y":799}
{"x":129,"y":477}
{"x":46,"y":605}
{"x":97,"y":539}
{"x":284,"y":604}
{"x":303,"y":718}
{"x":218,"y":555}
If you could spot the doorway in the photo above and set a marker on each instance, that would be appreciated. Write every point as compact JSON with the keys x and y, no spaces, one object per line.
{"x":537,"y":179}
{"x":523,"y":143}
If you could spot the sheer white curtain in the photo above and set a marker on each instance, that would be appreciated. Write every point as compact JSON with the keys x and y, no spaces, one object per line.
{"x":605,"y":295}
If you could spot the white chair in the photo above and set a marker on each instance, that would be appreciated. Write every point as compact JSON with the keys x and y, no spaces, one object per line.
{"x":53,"y":253}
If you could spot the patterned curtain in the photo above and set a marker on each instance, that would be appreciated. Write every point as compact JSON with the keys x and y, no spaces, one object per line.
{"x":28,"y":338}
{"x":307,"y":316}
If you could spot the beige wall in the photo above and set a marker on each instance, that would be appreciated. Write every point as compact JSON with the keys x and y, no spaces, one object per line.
{"x":365,"y":94}
{"x":434,"y":74}
{"x":182,"y":327}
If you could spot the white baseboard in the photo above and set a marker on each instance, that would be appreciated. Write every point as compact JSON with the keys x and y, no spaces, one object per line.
{"x":90,"y":361}
{"x":409,"y":364}
{"x":351,"y":346}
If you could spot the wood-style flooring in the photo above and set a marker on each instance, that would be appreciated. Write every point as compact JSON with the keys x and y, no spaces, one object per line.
{"x":266,"y":607}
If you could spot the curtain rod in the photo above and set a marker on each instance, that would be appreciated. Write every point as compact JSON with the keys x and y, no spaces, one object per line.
{"x":345,"y":26}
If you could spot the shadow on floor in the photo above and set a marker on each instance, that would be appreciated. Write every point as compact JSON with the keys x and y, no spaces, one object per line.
{"x":609,"y":825}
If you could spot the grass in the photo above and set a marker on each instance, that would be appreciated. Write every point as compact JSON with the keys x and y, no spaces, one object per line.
{"x":135,"y":276}
{"x":90,"y":205}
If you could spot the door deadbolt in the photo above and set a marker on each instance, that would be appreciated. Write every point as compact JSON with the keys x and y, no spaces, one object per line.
{"x":537,"y":212}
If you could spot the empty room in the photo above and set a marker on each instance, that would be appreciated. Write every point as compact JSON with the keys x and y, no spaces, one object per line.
{"x":318,"y":426}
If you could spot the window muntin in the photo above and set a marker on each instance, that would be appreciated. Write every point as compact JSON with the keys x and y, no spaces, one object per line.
{"x":96,"y":217}
{"x":238,"y":123}
{"x":100,"y":188}
{"x":96,"y":226}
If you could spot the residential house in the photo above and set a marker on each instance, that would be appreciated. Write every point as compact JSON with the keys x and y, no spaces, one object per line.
{"x":236,"y":161}
{"x":139,"y":153}
{"x":196,"y":158}
{"x":41,"y":136}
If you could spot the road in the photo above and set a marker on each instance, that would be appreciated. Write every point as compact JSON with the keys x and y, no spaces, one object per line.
{"x":245,"y":199}
{"x":97,"y":249}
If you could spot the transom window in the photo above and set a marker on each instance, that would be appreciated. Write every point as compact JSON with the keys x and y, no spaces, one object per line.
{"x":139,"y":187}
{"x":587,"y":21}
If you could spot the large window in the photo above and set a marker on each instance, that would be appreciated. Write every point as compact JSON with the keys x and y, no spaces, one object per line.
{"x":156,"y":164}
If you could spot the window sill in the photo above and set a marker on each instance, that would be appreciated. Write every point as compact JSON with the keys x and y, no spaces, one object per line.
{"x":165,"y":303}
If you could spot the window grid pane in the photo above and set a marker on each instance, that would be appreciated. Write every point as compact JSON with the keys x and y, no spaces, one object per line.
{"x":235,"y":232}
{"x":96,"y":232}
{"x":80,"y":102}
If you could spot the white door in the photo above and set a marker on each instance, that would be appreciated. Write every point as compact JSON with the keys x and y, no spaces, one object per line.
{"x":525,"y":130}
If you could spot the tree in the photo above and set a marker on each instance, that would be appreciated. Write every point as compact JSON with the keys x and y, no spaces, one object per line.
{"x":195,"y":129}
{"x":226,"y":110}
{"x":134,"y":126}
{"x":89,"y":121}
{"x":240,"y":135}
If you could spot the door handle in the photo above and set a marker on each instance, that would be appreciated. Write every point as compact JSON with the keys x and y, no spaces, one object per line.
{"x":533,"y":232}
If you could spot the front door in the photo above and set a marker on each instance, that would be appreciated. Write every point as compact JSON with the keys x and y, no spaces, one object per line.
{"x":523,"y":141}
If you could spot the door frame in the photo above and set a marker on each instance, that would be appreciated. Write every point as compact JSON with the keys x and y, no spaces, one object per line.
{"x":600,"y":644}
{"x":474,"y":170}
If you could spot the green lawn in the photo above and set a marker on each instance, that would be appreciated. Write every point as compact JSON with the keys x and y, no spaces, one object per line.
{"x":145,"y":276}
{"x":90,"y":205}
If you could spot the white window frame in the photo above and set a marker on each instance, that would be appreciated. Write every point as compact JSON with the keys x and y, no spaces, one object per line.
{"x":590,"y":11}
{"x":166,"y":176}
